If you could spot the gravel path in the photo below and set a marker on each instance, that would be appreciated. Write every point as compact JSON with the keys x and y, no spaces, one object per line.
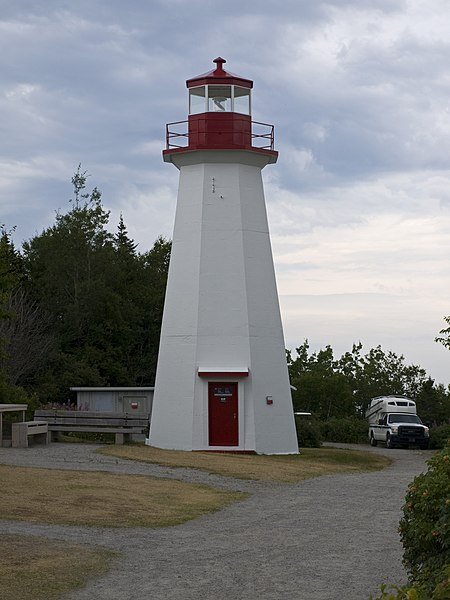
{"x":329,"y":538}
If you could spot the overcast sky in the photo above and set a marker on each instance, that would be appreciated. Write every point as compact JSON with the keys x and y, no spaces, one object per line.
{"x":358,"y":90}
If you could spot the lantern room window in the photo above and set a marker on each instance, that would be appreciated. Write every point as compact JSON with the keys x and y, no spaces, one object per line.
{"x":219,"y":98}
{"x":197,"y":100}
{"x":241,"y":100}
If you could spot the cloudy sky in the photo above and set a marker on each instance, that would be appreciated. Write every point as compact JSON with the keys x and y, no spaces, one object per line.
{"x":359,"y":92}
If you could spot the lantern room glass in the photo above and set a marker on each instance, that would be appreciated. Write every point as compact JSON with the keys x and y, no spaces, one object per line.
{"x":197,"y":100}
{"x":219,"y":98}
{"x":241,"y":100}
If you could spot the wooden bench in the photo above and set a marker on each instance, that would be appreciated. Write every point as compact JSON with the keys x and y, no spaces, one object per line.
{"x":123,"y":425}
{"x":22,"y":431}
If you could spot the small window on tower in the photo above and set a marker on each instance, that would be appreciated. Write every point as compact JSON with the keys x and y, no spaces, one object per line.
{"x":197,"y":100}
{"x":219,"y":98}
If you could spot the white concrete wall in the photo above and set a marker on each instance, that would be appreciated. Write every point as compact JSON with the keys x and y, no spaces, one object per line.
{"x":222,"y":308}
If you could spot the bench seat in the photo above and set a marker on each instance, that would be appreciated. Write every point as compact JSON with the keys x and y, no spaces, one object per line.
{"x":123,"y":425}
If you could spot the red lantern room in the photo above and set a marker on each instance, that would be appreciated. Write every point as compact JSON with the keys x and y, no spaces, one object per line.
{"x":219,"y":117}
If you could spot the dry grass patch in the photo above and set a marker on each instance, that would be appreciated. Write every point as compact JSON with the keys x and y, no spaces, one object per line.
{"x":35,"y":568}
{"x":103,"y":499}
{"x":312,"y":462}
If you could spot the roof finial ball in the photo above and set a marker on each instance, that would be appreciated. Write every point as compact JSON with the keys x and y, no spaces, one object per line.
{"x":219,"y":62}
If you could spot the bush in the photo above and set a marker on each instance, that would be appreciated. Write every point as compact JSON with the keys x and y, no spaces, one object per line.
{"x":418,"y":592}
{"x":395,"y":593}
{"x":349,"y":430}
{"x":440,"y":592}
{"x":425,"y":527}
{"x":425,"y":535}
{"x":308,"y":432}
{"x":13,"y":394}
{"x":439,"y":436}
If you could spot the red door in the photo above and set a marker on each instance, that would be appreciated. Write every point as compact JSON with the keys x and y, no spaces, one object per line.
{"x":223,"y":414}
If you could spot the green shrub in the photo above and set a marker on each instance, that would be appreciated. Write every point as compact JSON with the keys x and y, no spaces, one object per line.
{"x":308,"y":432}
{"x":395,"y":593}
{"x":349,"y":430}
{"x":13,"y":394}
{"x":425,"y":535}
{"x":425,"y":527}
{"x":418,"y":592}
{"x":439,"y":436}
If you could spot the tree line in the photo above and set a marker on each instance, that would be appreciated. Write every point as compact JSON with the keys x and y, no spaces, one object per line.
{"x":330,"y":387}
{"x":80,"y":306}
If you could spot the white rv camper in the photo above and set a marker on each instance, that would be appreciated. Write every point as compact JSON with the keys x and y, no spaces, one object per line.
{"x":394,"y":421}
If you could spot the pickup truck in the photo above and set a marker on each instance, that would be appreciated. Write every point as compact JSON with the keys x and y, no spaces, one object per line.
{"x":393,"y":420}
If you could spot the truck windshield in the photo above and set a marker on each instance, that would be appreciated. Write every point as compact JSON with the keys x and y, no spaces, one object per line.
{"x":400,"y":418}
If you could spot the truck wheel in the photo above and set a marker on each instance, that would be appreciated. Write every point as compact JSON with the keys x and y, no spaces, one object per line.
{"x":388,"y":441}
{"x":373,"y":441}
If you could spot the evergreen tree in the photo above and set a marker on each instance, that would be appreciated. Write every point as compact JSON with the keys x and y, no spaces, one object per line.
{"x":105,"y":299}
{"x":11,"y":268}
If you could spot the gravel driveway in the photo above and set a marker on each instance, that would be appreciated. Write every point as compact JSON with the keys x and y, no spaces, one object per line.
{"x":329,"y":538}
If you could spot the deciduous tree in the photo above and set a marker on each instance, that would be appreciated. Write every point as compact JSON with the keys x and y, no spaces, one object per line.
{"x":444,"y":337}
{"x":343,"y":387}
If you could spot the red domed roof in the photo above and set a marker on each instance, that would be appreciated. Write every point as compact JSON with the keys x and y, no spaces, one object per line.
{"x":219,"y":76}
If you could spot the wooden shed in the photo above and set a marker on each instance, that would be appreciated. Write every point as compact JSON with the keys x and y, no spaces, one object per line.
{"x":115,"y":399}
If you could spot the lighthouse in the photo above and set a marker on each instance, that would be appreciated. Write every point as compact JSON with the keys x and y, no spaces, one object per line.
{"x":222,"y":382}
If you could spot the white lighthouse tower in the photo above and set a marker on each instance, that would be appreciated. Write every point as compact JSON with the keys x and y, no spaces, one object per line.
{"x":222,"y":382}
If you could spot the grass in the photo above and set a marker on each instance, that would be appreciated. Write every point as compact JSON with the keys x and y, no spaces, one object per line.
{"x":312,"y":462}
{"x":103,"y":499}
{"x":36,"y":568}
